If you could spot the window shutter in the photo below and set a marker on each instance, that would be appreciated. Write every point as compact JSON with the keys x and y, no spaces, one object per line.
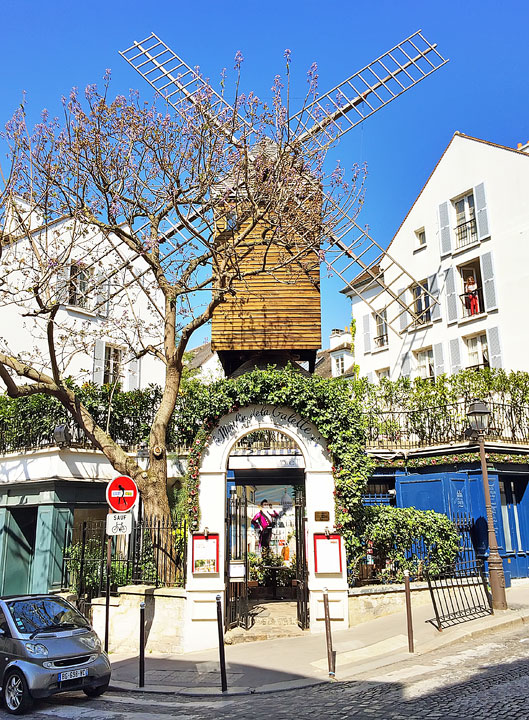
{"x":99,"y":362}
{"x":369,"y":377}
{"x":455,"y":355}
{"x":493,"y":341}
{"x":62,"y":284}
{"x":482,"y":219}
{"x":405,"y":367}
{"x":451,"y":296}
{"x":487,"y":278}
{"x":134,"y":373}
{"x":438,"y":359}
{"x":102,"y":294}
{"x":404,"y":317}
{"x":367,"y":334}
{"x":433,"y":289}
{"x":444,"y":229}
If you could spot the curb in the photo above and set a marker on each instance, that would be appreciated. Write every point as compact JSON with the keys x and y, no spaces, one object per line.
{"x":285,"y":685}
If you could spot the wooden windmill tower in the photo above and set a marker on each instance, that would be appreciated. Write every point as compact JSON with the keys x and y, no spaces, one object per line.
{"x":278,"y":314}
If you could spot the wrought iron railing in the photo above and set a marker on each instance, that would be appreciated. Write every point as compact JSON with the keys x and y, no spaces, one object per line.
{"x":466,"y":234}
{"x":381,"y":340}
{"x":153,"y":554}
{"x":443,"y":425}
{"x":473,"y":303}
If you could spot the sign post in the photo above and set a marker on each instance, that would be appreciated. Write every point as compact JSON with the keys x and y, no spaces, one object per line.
{"x":122,"y":495}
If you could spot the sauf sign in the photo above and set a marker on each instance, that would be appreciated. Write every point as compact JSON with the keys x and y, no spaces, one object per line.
{"x":122,"y":494}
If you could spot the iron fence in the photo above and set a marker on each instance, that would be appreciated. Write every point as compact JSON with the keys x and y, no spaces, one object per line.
{"x":153,"y":554}
{"x":459,"y":593}
{"x":442,"y":425}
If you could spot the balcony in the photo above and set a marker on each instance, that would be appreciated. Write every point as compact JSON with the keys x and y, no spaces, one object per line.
{"x":443,"y":425}
{"x":381,"y":341}
{"x":472,"y":303}
{"x":466,"y":234}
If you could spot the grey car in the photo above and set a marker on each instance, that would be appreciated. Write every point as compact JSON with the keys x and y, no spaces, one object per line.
{"x":47,"y":647}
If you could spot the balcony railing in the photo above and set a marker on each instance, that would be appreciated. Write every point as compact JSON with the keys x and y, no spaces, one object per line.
{"x":472,"y":303}
{"x":443,"y":425}
{"x":466,"y":234}
{"x":381,"y":340}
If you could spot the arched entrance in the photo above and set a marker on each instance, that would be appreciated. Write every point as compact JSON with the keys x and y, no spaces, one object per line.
{"x":266,"y":560}
{"x":305,"y":456}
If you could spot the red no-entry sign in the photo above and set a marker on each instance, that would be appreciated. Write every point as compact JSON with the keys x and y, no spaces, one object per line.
{"x":122,"y":493}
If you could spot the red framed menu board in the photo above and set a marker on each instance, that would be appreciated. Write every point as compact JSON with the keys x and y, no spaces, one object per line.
{"x":328,"y":553}
{"x":205,"y":554}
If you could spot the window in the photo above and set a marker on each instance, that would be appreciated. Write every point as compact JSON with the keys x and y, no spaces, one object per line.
{"x":421,"y":303}
{"x":113,"y":370}
{"x":466,"y":231}
{"x":382,"y":373}
{"x":381,"y":338}
{"x":472,"y":295}
{"x":425,"y":366}
{"x":421,"y":237}
{"x":339,"y":365}
{"x":477,"y":351}
{"x":79,"y":285}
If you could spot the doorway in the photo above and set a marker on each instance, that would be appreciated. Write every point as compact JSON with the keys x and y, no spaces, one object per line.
{"x":21,"y":529}
{"x":266,"y":573}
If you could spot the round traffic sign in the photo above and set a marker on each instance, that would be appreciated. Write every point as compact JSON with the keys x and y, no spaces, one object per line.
{"x":122,"y":493}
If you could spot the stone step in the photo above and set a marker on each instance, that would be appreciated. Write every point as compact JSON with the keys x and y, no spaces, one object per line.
{"x":257,"y":634}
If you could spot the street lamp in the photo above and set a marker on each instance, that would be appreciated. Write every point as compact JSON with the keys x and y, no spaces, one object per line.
{"x":478,"y":416}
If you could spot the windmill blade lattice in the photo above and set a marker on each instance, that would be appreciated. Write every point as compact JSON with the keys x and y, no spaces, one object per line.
{"x":177,"y":82}
{"x":332,"y":115}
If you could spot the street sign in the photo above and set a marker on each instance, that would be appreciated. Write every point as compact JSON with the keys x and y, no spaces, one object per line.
{"x":119,"y":523}
{"x":122,"y":493}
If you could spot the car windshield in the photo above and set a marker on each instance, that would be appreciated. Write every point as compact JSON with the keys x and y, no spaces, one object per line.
{"x":34,"y":615}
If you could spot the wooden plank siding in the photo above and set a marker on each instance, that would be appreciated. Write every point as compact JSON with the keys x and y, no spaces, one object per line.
{"x":278,"y":309}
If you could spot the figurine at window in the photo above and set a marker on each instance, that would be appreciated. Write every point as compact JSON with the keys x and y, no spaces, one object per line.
{"x":471,"y":296}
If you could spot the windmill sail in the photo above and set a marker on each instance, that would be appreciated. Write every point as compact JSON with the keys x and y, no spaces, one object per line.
{"x":332,"y":115}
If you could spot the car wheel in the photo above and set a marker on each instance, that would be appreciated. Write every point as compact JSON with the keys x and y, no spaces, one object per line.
{"x":17,"y":697}
{"x":94,"y":692}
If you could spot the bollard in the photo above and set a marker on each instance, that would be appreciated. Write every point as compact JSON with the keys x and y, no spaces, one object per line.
{"x":331,"y":655}
{"x":409,"y":620}
{"x":107,"y":591}
{"x":141,"y":681}
{"x":223,"y":679}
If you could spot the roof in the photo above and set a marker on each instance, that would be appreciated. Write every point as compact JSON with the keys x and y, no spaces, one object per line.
{"x":199,"y":356}
{"x":366,"y":276}
{"x":465,"y":137}
{"x":323,"y":364}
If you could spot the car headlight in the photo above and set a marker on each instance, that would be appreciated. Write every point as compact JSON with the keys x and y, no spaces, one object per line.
{"x":92,"y":642}
{"x":37,"y":649}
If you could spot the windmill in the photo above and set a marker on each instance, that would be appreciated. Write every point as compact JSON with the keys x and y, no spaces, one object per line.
{"x":249,"y":323}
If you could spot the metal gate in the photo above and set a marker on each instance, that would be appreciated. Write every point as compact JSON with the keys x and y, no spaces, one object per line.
{"x":236,"y":574}
{"x":302,"y":573}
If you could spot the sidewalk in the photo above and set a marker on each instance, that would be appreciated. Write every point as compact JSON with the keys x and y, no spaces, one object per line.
{"x":290,"y":663}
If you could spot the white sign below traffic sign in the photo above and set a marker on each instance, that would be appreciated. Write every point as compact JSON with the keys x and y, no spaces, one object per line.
{"x":119,"y":523}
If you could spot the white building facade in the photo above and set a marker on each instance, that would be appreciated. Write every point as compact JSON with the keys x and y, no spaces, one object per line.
{"x":465,"y":239}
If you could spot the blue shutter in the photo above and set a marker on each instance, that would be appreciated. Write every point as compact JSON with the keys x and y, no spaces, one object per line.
{"x":444,"y":229}
{"x":405,"y":367}
{"x":438,"y":359}
{"x":433,"y":288}
{"x":455,"y":355}
{"x":99,"y":362}
{"x":367,"y":333}
{"x":493,"y":342}
{"x":487,"y":280}
{"x":404,"y":317}
{"x":451,"y":296}
{"x":482,"y":219}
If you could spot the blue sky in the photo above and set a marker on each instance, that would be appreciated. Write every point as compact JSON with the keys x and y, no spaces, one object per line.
{"x":50,"y":47}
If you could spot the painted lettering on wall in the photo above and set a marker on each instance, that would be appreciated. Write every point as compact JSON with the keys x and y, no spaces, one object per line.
{"x":257,"y":415}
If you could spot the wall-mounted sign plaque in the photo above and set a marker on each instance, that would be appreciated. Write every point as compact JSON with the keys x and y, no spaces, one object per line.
{"x":321,"y":516}
{"x":205,"y":554}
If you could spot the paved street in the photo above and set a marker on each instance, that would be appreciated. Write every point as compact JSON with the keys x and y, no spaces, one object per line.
{"x":487,"y":678}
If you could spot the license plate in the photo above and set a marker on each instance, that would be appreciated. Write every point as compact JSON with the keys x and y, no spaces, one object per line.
{"x":72,"y":674}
